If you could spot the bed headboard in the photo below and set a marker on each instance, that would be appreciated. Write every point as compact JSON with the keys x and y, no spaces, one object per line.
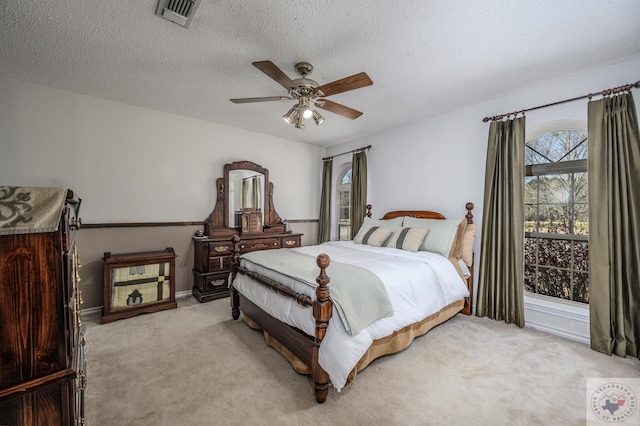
{"x":427,"y":214}
{"x":421,"y":214}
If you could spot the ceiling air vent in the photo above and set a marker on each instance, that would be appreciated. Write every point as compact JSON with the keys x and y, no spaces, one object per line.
{"x":179,"y":11}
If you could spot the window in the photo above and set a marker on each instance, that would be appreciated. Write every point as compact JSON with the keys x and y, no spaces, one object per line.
{"x":556,"y":216}
{"x":344,"y":205}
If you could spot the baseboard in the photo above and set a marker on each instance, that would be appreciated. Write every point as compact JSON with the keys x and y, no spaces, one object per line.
{"x":89,"y":311}
{"x":559,"y":332}
{"x":185,"y":293}
{"x":559,"y":313}
{"x":98,"y":309}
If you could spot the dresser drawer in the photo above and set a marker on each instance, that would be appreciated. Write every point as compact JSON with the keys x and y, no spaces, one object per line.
{"x":220,"y":263}
{"x":290,"y":242}
{"x":213,"y":282}
{"x":259,"y":244}
{"x":220,"y":248}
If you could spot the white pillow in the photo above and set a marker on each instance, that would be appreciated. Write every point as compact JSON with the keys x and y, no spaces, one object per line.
{"x":441,"y":236}
{"x":392,"y":225}
{"x":409,"y":239}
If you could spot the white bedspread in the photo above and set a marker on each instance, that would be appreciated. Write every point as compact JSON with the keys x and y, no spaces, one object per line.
{"x":419,"y":284}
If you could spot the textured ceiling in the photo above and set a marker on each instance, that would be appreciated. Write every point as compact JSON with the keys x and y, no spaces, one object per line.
{"x":424,"y":57}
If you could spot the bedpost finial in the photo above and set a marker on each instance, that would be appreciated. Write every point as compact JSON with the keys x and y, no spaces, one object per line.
{"x":469,"y":206}
{"x":322,"y":292}
{"x":323,"y":261}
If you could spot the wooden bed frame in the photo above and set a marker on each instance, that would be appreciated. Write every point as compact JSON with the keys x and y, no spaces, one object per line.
{"x":300,"y":349}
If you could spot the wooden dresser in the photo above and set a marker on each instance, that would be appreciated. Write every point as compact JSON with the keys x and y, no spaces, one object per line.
{"x":42,"y":371}
{"x":244,"y":207}
{"x":213,"y":256}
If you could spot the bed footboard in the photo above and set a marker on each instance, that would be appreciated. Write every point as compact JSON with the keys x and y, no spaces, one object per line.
{"x":303,"y":346}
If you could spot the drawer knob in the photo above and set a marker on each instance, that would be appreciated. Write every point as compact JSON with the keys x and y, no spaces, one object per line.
{"x":221,"y":249}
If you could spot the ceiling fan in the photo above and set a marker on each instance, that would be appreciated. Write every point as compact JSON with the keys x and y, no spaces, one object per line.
{"x":309,"y":93}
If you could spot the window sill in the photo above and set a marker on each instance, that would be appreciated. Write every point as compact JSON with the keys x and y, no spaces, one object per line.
{"x":555,"y":316}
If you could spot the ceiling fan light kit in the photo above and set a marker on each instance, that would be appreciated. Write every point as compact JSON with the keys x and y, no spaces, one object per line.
{"x":317,"y":117}
{"x":291,"y":115}
{"x":308,"y":92}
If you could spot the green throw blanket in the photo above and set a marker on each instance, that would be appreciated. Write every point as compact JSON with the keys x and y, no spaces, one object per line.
{"x":358,"y":294}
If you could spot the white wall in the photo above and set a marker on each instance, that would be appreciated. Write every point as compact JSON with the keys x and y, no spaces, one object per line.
{"x":131,"y":164}
{"x":439,"y":163}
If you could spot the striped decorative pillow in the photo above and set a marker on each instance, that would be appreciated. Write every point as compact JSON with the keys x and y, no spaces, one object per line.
{"x":392,"y":225}
{"x":409,"y":239}
{"x":374,"y":236}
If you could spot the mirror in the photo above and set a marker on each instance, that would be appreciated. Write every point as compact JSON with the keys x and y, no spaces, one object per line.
{"x":246,"y":191}
{"x":244,"y":187}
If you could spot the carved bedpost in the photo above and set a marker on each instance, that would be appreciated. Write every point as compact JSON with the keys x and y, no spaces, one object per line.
{"x":468,"y":301}
{"x":322,"y":309}
{"x":369,"y":206}
{"x":234,"y":298}
{"x":469,"y":215}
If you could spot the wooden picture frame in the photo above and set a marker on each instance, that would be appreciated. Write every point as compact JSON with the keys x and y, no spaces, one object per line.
{"x":136,"y":283}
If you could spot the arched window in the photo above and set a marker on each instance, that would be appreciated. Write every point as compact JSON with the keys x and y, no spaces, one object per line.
{"x":556,"y":215}
{"x":343,"y":189}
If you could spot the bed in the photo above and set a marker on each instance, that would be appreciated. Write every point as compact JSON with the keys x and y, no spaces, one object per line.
{"x":423,"y":261}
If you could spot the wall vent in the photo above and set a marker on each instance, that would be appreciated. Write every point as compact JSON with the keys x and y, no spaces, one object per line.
{"x":178,"y":11}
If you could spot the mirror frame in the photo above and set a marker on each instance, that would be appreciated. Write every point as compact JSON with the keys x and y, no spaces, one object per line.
{"x":218,"y":221}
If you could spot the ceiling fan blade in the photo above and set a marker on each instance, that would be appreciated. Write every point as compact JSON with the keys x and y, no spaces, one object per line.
{"x":338,"y":109}
{"x":264,"y":99}
{"x":270,"y":69}
{"x":355,"y":81}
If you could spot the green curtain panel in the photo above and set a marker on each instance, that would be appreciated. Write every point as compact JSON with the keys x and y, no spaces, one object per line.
{"x":501,"y":280}
{"x":324,"y":231}
{"x":255,"y":193}
{"x":358,"y":191}
{"x":614,"y":225}
{"x":245,"y":191}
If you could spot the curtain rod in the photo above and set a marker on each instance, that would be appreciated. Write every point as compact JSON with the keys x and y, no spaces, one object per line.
{"x":348,"y":152}
{"x":605,"y":92}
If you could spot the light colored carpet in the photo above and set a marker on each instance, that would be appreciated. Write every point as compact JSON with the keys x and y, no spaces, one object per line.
{"x":194,"y":365}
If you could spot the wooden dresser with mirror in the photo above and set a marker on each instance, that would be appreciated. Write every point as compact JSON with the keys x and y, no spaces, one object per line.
{"x":244,"y":207}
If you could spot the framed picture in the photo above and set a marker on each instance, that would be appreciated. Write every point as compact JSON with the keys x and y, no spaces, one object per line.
{"x":136,"y":283}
